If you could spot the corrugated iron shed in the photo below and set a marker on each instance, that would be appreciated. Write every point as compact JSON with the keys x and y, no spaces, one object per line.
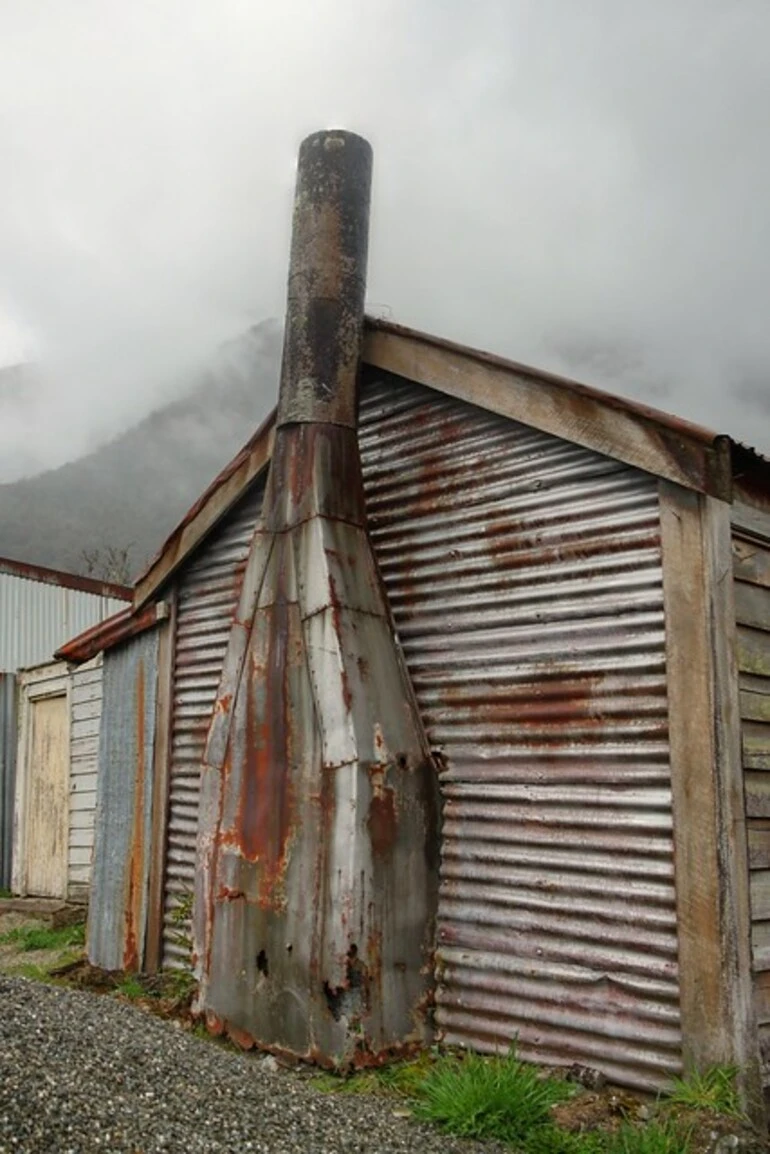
{"x":658,"y":443}
{"x":41,"y":608}
{"x":539,"y":543}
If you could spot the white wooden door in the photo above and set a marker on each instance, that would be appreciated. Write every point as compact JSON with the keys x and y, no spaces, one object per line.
{"x":47,"y":776}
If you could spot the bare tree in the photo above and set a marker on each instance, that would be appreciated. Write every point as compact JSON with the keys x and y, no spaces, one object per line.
{"x":109,"y":563}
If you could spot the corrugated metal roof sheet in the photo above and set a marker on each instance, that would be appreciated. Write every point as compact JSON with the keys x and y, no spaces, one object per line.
{"x":65,"y":580}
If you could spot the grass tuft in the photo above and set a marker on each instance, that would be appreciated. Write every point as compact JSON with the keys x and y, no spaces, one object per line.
{"x":33,"y":972}
{"x":496,"y":1098}
{"x":399,"y":1079}
{"x":715,"y":1089}
{"x":131,"y":987}
{"x":654,"y":1138}
{"x":30,"y":938}
{"x":554,"y":1140}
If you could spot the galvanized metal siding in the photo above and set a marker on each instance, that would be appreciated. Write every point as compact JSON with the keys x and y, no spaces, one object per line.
{"x":751,"y":558}
{"x":36,"y":618}
{"x":8,"y":740}
{"x":86,"y":707}
{"x":121,"y":861}
{"x":206,"y":598}
{"x":524,"y":574}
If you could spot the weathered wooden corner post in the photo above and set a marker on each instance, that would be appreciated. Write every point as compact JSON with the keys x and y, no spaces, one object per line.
{"x":315,"y":901}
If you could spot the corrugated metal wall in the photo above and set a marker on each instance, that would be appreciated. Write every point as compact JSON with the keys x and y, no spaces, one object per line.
{"x":121,"y":861}
{"x":8,"y":739}
{"x":206,"y":598}
{"x":35,"y":619}
{"x":524,"y":574}
{"x":85,"y":720}
{"x":751,"y":558}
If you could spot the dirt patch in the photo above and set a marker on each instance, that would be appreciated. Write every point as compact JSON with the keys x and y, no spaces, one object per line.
{"x":34,"y":963}
{"x":608,"y":1109}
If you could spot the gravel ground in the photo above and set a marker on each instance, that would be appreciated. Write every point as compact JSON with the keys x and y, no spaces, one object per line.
{"x":81,"y":1073}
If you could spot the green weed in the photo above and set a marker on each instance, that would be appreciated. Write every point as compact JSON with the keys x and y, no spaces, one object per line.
{"x":34,"y":973}
{"x":653,"y":1138}
{"x":398,"y":1079}
{"x":488,"y":1098}
{"x":131,"y":987}
{"x":549,"y":1139}
{"x":30,"y":938}
{"x":715,"y":1089}
{"x":179,"y":985}
{"x":507,"y":1100}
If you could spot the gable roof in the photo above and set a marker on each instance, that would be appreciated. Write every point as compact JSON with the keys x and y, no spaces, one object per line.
{"x":213,"y":504}
{"x":645,"y":438}
{"x":45,"y":576}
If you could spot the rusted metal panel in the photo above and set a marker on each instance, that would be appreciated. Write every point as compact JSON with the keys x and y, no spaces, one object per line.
{"x":222,"y":495}
{"x":751,"y":568}
{"x":8,"y":739}
{"x":207,"y":594}
{"x":649,"y":438}
{"x":113,"y":631}
{"x":327,"y":281}
{"x":316,"y":888}
{"x":37,"y":617}
{"x":85,"y":723}
{"x":121,"y":861}
{"x":632,"y":433}
{"x":104,"y":589}
{"x":524,"y":574}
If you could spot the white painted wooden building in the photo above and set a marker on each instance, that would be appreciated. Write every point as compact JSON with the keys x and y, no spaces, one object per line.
{"x":55,"y":797}
{"x":39,"y":610}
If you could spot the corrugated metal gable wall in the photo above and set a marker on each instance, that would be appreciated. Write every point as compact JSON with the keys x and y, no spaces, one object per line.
{"x":36,"y":618}
{"x":524,"y":574}
{"x":8,"y":740}
{"x":751,"y":556}
{"x":207,"y":594}
{"x":121,"y":862}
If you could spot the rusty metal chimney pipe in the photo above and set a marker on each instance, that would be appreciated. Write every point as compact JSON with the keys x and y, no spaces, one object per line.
{"x":327,"y":281}
{"x":317,"y":870}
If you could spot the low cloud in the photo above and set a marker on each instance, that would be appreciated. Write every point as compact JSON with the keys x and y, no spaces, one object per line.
{"x":581,"y":186}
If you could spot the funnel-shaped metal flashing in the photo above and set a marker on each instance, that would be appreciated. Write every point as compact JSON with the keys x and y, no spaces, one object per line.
{"x":317,"y":851}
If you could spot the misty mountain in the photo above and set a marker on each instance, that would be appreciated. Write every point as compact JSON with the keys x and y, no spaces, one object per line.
{"x":131,"y":492}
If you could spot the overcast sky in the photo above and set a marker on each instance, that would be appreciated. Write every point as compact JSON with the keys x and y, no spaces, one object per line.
{"x":580,"y":185}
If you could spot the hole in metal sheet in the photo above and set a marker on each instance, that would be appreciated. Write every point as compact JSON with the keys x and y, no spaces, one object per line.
{"x":262,"y":965}
{"x":350,"y":999}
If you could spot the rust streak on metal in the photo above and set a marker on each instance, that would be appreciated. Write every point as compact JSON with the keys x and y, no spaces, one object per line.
{"x":74,"y":581}
{"x":113,"y":631}
{"x":382,"y":821}
{"x":134,"y":896}
{"x":316,"y":786}
{"x":263,"y":821}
